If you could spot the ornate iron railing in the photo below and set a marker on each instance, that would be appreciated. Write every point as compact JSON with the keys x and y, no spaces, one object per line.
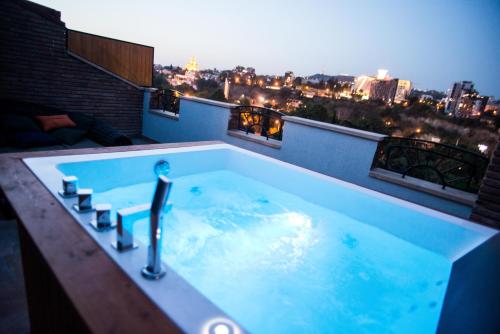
{"x":447,"y":165}
{"x":166,"y":100}
{"x":259,"y":121}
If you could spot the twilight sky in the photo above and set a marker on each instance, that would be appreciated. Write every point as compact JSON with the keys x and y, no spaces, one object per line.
{"x":431,"y":42}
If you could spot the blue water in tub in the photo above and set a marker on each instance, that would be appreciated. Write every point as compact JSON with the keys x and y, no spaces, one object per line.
{"x":277,"y":263}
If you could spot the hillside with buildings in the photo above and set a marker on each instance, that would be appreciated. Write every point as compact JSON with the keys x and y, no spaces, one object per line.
{"x":378,"y":103}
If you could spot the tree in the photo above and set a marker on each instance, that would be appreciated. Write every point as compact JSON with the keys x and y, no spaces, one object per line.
{"x":208,"y":85}
{"x":245,"y":101}
{"x":218,"y":95}
{"x":319,"y":113}
{"x":334,"y":85}
{"x":298,"y":81}
{"x":334,"y":116}
{"x":160,"y":81}
{"x":496,"y":122}
{"x":185,"y":89}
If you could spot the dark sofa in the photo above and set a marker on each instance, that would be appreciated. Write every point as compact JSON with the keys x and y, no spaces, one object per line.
{"x":20,"y":131}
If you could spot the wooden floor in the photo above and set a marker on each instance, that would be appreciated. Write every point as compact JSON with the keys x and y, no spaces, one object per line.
{"x":13,"y":308}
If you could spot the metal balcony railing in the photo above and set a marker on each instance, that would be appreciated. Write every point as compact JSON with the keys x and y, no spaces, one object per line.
{"x":256,"y":120}
{"x":166,"y":100}
{"x":446,"y":165}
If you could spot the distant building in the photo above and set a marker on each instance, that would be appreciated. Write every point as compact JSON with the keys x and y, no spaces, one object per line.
{"x":362,"y":86}
{"x":464,"y":101}
{"x":383,"y":90}
{"x":192,"y":65}
{"x":458,"y":90}
{"x":425,"y":98}
{"x":292,"y":104}
{"x":344,"y":79}
{"x":471,"y":105}
{"x":492,"y":106}
{"x":310,"y":93}
{"x":209,"y":75}
{"x":342,"y":86}
{"x":276,"y":83}
{"x":248,"y":78}
{"x":289,"y":78}
{"x":403,"y":89}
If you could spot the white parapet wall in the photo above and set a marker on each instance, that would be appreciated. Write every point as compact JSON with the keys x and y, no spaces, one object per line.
{"x":334,"y":150}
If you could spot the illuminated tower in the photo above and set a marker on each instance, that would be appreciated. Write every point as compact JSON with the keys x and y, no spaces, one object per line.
{"x":226,"y":89}
{"x":193,"y":65}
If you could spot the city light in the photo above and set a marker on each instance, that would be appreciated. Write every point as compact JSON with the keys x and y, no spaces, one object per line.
{"x":192,"y":65}
{"x":382,"y":74}
{"x":482,"y":148}
{"x":325,"y":89}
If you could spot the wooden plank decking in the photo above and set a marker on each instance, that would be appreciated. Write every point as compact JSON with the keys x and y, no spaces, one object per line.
{"x":70,"y":266}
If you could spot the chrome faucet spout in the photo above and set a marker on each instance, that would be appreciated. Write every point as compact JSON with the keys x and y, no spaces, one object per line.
{"x":154,"y":269}
{"x":125,"y":221}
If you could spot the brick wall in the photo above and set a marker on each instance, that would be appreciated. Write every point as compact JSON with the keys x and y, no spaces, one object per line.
{"x":487,"y":208}
{"x":35,"y":67}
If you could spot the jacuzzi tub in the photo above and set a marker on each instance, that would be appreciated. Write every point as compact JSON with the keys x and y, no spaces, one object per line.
{"x":267,"y":247}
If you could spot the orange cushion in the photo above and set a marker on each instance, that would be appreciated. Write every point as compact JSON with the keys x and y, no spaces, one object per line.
{"x":55,"y":122}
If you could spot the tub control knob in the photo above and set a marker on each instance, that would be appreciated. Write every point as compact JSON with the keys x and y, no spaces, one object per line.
{"x":102,"y":221}
{"x":84,"y":201}
{"x":69,"y":187}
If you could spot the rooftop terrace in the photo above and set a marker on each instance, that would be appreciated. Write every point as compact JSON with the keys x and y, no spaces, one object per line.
{"x":345,"y":153}
{"x":104,"y":85}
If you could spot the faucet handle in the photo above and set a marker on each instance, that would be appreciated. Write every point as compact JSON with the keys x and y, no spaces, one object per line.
{"x":124,"y":229}
{"x":84,"y":201}
{"x":102,"y":221}
{"x":69,"y":187}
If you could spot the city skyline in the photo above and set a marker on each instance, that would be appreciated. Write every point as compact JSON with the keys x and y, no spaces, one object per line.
{"x":432,"y":44}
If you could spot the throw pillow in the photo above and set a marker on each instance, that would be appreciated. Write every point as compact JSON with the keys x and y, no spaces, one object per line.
{"x":55,"y":122}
